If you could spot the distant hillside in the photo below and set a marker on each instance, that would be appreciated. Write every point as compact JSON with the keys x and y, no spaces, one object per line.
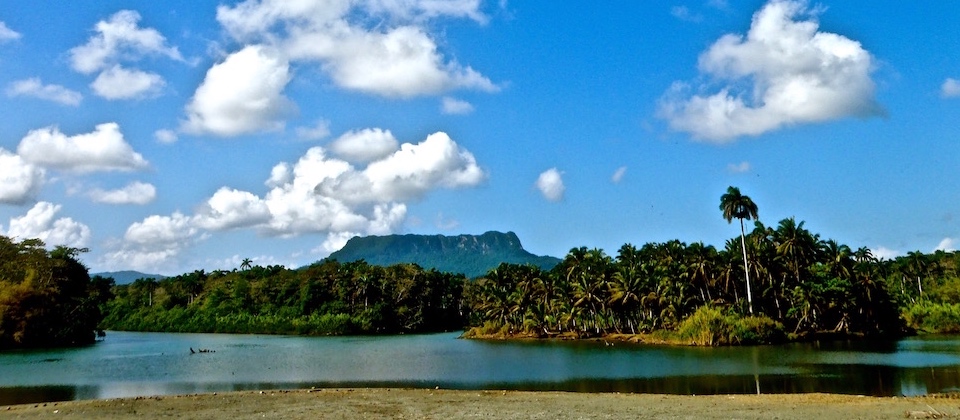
{"x":127,"y":277}
{"x":472,"y":255}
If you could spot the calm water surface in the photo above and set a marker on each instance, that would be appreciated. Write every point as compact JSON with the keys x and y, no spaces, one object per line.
{"x":134,"y":364}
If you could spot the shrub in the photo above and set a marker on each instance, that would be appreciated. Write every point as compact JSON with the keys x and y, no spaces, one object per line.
{"x":933,"y":317}
{"x":709,"y":326}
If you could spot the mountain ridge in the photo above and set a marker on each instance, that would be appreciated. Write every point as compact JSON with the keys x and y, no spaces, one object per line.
{"x":128,"y":276}
{"x":471,"y":255}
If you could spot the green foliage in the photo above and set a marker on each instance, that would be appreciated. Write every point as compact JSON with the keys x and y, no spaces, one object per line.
{"x":709,"y":326}
{"x":47,"y":299}
{"x":801,"y":284}
{"x":326,"y":298}
{"x":933,"y":317}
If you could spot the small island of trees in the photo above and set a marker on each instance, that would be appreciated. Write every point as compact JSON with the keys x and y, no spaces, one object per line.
{"x":47,"y":298}
{"x":768,"y":284}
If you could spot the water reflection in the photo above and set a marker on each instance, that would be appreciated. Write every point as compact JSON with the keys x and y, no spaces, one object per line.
{"x":133,"y":364}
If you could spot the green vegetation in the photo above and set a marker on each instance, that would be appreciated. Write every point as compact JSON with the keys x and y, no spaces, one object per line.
{"x":470,"y":255}
{"x":47,"y":299}
{"x":800,"y":286}
{"x":326,"y":298}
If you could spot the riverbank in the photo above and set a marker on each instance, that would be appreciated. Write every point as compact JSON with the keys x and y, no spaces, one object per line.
{"x":446,"y":404}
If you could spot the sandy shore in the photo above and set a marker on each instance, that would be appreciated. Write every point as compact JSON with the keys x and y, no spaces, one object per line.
{"x":443,"y":404}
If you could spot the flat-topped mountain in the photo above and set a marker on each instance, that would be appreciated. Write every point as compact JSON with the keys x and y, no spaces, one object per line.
{"x":472,"y":255}
{"x":127,"y":277}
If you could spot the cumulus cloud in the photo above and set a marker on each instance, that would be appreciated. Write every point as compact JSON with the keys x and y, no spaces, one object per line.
{"x":455,"y":106}
{"x":373,"y":46}
{"x":7,"y":34}
{"x":133,"y":193}
{"x":243,"y":94}
{"x":104,"y":149}
{"x":550,"y":184}
{"x":885,"y":253}
{"x":946,"y":245}
{"x":165,"y":136}
{"x":318,"y":131}
{"x":364,"y":145}
{"x":417,"y":168}
{"x":324,"y":194}
{"x":40,"y":222}
{"x":120,"y":83}
{"x":230,"y":208}
{"x":783,"y":72}
{"x":618,"y":175}
{"x":19,"y":180}
{"x":120,"y":38}
{"x":950,"y":88}
{"x":739,"y":168}
{"x":34,"y":88}
{"x":153,"y":243}
{"x":318,"y":194}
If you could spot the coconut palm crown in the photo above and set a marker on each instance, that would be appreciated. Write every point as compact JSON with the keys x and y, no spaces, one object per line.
{"x":733,"y":204}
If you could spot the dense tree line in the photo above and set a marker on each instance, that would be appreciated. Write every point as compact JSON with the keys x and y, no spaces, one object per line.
{"x":327,"y":298}
{"x":47,"y":298}
{"x":766,"y":284}
{"x":790,"y":282}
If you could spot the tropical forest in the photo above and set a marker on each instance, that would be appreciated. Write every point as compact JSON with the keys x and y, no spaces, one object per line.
{"x":767,"y":284}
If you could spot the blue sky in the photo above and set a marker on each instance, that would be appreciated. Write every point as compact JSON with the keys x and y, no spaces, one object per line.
{"x":178,"y":135}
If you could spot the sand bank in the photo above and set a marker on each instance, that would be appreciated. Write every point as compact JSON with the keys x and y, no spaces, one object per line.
{"x":445,"y":404}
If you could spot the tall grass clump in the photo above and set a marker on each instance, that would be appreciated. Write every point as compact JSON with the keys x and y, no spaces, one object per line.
{"x":933,"y":317}
{"x":710,"y":326}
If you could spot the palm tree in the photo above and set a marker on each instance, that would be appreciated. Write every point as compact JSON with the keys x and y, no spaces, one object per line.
{"x":736,"y":205}
{"x":246,"y":264}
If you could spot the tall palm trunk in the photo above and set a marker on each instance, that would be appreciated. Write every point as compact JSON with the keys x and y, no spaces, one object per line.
{"x":746,"y":270}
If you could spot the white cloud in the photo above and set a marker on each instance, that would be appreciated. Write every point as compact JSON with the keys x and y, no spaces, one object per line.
{"x":134,"y":193}
{"x":455,"y":106}
{"x":374,"y":46}
{"x":784,"y":72}
{"x":120,"y":83}
{"x":19,"y":180}
{"x":310,"y":197}
{"x":102,"y":150}
{"x":739,"y":168}
{"x":684,"y":13}
{"x":119,"y":37}
{"x":334,"y":242}
{"x":950,"y":88}
{"x":316,"y":195}
{"x":885,"y":253}
{"x":33,"y":87}
{"x":618,"y":175}
{"x":947,"y":245}
{"x":365,"y":145}
{"x":243,"y":94}
{"x":153,"y":243}
{"x":165,"y":136}
{"x":230,"y":208}
{"x":40,"y":222}
{"x":319,"y":130}
{"x":413,"y":10}
{"x":7,"y":34}
{"x":446,"y":224}
{"x":437,"y":162}
{"x":719,"y":4}
{"x":550,"y":184}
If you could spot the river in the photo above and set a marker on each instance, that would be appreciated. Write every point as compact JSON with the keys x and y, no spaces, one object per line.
{"x":129,"y":364}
